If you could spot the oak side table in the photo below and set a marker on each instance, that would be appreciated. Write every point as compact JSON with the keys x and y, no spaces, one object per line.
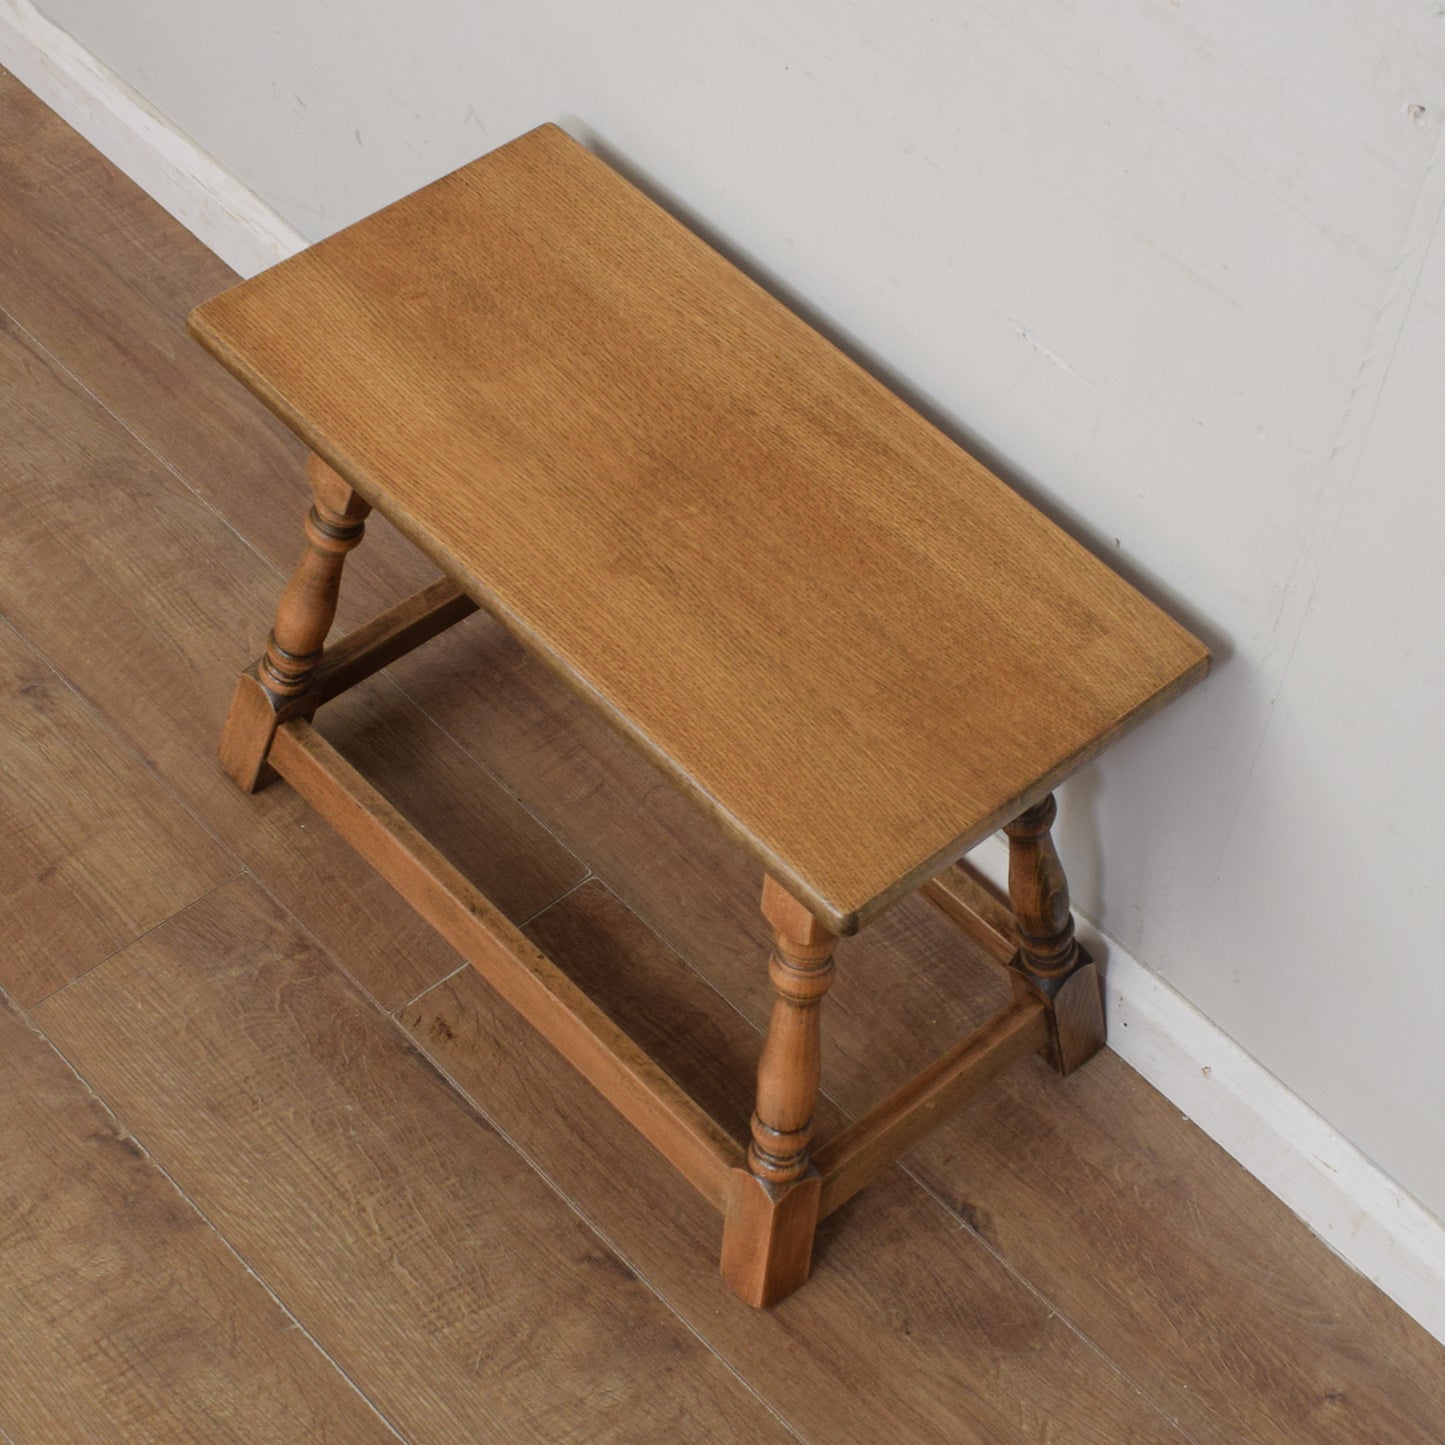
{"x":854,"y":646}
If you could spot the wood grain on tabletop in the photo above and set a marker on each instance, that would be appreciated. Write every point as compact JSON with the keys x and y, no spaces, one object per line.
{"x":105,"y":276}
{"x":692,"y":884}
{"x":423,"y":1253}
{"x":150,"y":608}
{"x":849,"y":638}
{"x":909,"y":1329}
{"x":1176,"y":1265}
{"x":1331,"y":1338}
{"x":95,"y":848}
{"x":123,"y":1315}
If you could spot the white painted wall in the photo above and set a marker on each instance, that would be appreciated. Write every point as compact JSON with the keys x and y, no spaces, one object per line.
{"x":1175,"y":267}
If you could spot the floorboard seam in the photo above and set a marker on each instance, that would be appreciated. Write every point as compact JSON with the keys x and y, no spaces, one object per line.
{"x":409,"y":692}
{"x":438,"y":983}
{"x":144,"y":933}
{"x":473,"y":1106}
{"x":464,"y":966}
{"x":1086,"y":1340}
{"x":849,"y":1116}
{"x":330,"y":954}
{"x":531,"y":918}
{"x":81,"y":385}
{"x":103,"y":719}
{"x":201,"y":1214}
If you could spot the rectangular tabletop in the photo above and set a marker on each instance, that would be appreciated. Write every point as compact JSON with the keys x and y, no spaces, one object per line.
{"x":859,"y":649}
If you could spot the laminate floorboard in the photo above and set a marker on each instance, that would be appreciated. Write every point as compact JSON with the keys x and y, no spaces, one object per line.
{"x":909,"y":1329}
{"x":150,"y":609}
{"x":93,"y":848}
{"x":1065,"y":1260}
{"x":1319,"y":1355}
{"x":106,"y":277}
{"x":417,"y":1247}
{"x":123,"y":1315}
{"x":1183,"y":1268}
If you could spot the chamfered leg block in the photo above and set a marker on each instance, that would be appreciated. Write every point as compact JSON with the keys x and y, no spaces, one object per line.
{"x":1051,"y":965}
{"x":277,"y":686}
{"x":772,"y":1205}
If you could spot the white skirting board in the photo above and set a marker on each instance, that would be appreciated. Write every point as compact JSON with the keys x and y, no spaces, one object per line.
{"x":1362,"y":1214}
{"x":210,"y":202}
{"x":1358,"y":1210}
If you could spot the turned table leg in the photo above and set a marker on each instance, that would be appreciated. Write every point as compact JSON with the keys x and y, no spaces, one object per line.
{"x":772,"y":1207}
{"x":1050,"y":964}
{"x":277,"y":686}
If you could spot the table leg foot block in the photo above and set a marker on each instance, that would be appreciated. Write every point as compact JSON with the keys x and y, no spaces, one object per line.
{"x":1074,"y":1010}
{"x":246,"y":738}
{"x":768,"y":1235}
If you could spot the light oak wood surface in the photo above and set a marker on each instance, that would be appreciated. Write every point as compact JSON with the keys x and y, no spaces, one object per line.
{"x":385,"y":324}
{"x":1196,"y":1292}
{"x":855,"y":645}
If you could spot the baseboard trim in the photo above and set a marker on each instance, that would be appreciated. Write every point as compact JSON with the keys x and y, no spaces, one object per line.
{"x":205,"y":198}
{"x":1357,"y":1209}
{"x":1361,"y":1213}
{"x":1348,"y":1201}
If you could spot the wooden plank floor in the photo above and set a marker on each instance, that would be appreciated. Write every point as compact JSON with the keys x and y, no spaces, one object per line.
{"x":271,"y":1168}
